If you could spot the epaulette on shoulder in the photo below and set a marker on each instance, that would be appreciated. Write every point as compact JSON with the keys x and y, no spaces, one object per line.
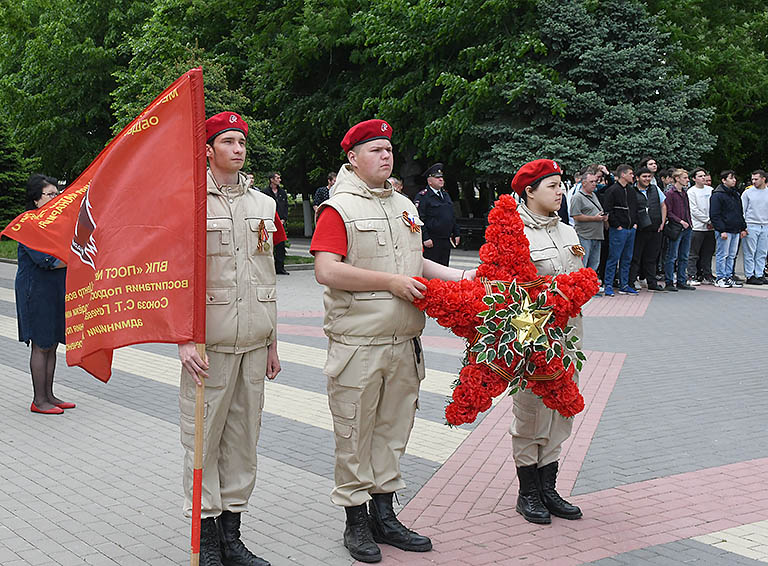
{"x":423,"y":192}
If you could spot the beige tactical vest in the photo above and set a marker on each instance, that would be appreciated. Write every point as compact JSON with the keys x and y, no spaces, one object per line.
{"x":553,"y":247}
{"x":551,"y":243}
{"x":241,"y":308}
{"x":381,"y":239}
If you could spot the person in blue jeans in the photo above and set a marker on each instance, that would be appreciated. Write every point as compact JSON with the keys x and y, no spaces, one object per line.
{"x":755,"y":206}
{"x":588,"y":217}
{"x":678,"y":210}
{"x":727,"y":217}
{"x":621,"y":206}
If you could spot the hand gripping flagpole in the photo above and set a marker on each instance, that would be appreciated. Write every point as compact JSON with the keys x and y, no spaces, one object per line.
{"x":197,"y":473}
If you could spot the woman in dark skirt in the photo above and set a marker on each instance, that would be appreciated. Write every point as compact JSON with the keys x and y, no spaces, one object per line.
{"x":40,"y":288}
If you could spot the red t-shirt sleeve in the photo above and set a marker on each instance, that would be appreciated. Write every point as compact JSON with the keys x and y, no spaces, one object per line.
{"x":279,"y":236}
{"x":330,"y":233}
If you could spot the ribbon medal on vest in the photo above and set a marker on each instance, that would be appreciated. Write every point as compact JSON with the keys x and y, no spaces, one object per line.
{"x":263,"y":245}
{"x":578,"y":250}
{"x":411,"y":222}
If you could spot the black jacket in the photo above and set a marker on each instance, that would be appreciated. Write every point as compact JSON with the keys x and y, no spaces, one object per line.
{"x":725,"y":210}
{"x":437,"y":215}
{"x":281,"y":198}
{"x":621,"y":205}
{"x":648,"y":203}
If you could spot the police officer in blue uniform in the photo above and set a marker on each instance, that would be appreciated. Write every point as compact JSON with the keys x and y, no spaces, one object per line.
{"x":440,"y":230}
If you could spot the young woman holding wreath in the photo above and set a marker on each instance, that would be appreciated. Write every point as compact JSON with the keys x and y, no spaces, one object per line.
{"x":538,"y":432}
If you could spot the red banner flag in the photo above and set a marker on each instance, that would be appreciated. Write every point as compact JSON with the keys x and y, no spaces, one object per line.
{"x":131,"y":229}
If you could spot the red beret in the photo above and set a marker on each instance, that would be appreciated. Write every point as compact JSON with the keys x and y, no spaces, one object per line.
{"x":534,"y":171}
{"x":366,"y":131}
{"x":224,"y":122}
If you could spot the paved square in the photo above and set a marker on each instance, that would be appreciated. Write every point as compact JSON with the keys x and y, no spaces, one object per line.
{"x":668,"y":460}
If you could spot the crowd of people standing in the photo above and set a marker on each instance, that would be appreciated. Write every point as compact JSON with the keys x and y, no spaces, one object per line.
{"x":666,"y":225}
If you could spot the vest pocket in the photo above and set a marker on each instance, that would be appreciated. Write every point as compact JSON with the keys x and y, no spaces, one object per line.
{"x":414,"y":238}
{"x":256,"y":235}
{"x":371,"y":238}
{"x":266,"y":294}
{"x":544,"y":260}
{"x":574,"y":260}
{"x":219,"y":236}
{"x":218,"y":296}
{"x":219,"y":317}
{"x":372,"y":295}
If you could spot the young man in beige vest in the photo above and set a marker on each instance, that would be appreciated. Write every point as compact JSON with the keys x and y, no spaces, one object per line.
{"x":241,"y":344}
{"x":368,"y":250}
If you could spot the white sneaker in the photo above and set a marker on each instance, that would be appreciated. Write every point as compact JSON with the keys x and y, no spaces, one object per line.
{"x":694,"y":282}
{"x":723,"y":282}
{"x":734,"y":283}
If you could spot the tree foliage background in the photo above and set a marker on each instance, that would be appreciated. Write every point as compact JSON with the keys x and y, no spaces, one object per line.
{"x":481,"y":85}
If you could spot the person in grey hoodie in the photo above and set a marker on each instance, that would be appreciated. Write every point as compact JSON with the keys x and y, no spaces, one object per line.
{"x":755,"y":203}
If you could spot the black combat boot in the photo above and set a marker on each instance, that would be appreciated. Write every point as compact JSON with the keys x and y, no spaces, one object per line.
{"x":357,"y":535}
{"x":210,"y":550}
{"x":558,"y":506}
{"x":233,"y":551}
{"x":529,"y":503}
{"x":388,"y":530}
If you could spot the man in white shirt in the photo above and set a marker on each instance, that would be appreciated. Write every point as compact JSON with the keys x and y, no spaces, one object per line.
{"x":703,"y":237}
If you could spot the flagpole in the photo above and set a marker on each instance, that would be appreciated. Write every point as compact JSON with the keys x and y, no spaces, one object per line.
{"x":197,"y":474}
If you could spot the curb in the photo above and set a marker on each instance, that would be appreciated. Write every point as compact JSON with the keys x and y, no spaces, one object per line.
{"x":288,"y":267}
{"x":299,"y":266}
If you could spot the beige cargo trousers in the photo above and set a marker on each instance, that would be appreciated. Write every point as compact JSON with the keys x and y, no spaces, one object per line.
{"x":234,"y":399}
{"x":373,"y":393}
{"x":538,"y":432}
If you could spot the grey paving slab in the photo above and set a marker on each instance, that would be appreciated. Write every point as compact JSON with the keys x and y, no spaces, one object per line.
{"x":692,"y":393}
{"x":127,"y":508}
{"x":680,"y":552}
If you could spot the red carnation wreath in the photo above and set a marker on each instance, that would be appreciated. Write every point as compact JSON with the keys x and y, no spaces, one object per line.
{"x":515,"y":323}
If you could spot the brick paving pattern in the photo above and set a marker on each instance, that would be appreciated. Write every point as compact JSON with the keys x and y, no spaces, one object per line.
{"x":668,"y":460}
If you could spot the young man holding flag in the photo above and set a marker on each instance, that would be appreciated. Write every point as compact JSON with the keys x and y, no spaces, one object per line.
{"x":241,"y":344}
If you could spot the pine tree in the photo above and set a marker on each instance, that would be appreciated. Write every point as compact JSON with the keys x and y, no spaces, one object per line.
{"x":601,"y":90}
{"x":14,"y":172}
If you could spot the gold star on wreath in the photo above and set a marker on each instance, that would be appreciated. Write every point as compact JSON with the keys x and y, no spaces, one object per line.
{"x":530,"y":322}
{"x":528,"y":319}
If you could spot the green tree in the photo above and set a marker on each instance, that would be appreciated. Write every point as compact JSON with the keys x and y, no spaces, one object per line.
{"x":319,"y":67}
{"x":303,"y":79}
{"x":725,"y":43}
{"x":178,"y":36}
{"x":15,"y":169}
{"x":599,"y":89}
{"x":56,"y":75}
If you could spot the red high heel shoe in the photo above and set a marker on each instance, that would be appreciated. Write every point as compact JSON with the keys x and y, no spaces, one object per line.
{"x":66,"y":405}
{"x":53,"y":411}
